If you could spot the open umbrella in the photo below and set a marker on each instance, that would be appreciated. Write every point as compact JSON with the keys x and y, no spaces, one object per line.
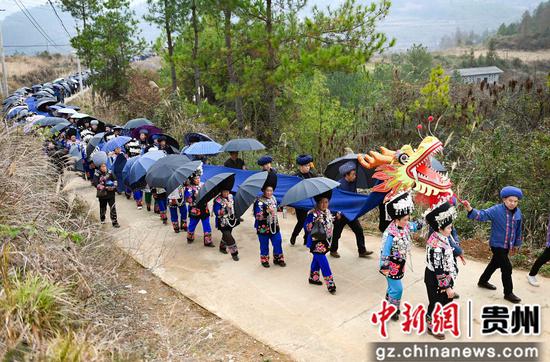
{"x":117,"y":167}
{"x":66,"y":111}
{"x":193,"y":137}
{"x":364,"y":176}
{"x":170,"y":141}
{"x":60,"y":127}
{"x":99,"y":157}
{"x":94,"y":144}
{"x":242,"y":144}
{"x":308,"y":188}
{"x":203,"y":148}
{"x":134,"y":123}
{"x":50,"y":121}
{"x":44,"y":102}
{"x":149,"y":128}
{"x":126,"y":170}
{"x":78,"y":115}
{"x":180,"y":174}
{"x":214,"y":185}
{"x":136,"y":176}
{"x":160,"y":171}
{"x":12,"y":113}
{"x":119,"y":141}
{"x":248,"y":191}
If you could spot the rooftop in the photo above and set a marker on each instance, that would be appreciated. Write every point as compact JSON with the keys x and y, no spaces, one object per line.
{"x":479,"y":71}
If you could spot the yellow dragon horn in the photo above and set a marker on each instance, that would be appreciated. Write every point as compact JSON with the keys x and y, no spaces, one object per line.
{"x":375,"y":159}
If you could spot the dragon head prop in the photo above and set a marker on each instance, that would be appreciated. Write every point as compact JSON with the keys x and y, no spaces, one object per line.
{"x":408,"y":169}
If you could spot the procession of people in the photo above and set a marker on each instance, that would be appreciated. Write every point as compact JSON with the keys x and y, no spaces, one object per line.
{"x":119,"y":162}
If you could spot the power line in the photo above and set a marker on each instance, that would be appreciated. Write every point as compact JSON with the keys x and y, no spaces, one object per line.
{"x":34,"y":23}
{"x":61,"y":21}
{"x":35,"y":45}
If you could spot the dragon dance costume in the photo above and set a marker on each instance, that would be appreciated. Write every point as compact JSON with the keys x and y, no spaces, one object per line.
{"x":396,"y":247}
{"x":225,"y":222}
{"x":197,"y":213}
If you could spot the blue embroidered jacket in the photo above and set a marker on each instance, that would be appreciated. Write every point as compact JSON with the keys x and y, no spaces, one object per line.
{"x":505,"y":225}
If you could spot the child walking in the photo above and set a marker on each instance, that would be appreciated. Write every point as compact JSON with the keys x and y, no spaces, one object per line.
{"x":396,"y":246}
{"x":505,"y":238}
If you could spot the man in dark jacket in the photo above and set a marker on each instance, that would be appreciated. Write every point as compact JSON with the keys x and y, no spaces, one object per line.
{"x":304,"y":171}
{"x":234,"y":161}
{"x":348,"y":183}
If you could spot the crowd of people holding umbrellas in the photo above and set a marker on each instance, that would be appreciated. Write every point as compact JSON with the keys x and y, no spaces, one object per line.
{"x":141,"y":162}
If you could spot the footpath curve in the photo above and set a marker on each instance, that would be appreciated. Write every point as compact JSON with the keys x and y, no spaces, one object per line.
{"x":277,"y":306}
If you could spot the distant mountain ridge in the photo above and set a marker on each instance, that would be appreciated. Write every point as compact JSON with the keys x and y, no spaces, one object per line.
{"x":410,"y":21}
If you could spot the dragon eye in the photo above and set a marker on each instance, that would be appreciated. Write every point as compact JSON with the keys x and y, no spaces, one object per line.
{"x":403,"y":158}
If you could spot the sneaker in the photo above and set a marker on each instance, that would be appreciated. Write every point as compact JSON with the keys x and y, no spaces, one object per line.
{"x":533,"y":280}
{"x":140,"y":207}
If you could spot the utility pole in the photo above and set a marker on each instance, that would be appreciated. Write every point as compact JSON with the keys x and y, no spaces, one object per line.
{"x":3,"y":60}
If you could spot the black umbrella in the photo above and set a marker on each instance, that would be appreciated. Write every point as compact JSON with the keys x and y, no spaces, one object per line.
{"x":93,"y":143}
{"x":364,"y":176}
{"x":193,"y":137}
{"x":170,"y":141}
{"x":159,"y":173}
{"x":51,"y":121}
{"x":181,"y":174}
{"x":136,"y":122}
{"x":308,"y":188}
{"x":214,"y":185}
{"x":44,"y":102}
{"x":248,"y":191}
{"x":242,"y":144}
{"x":60,"y":127}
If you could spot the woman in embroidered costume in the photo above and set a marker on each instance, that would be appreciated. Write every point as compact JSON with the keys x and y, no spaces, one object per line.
{"x":160,"y":196}
{"x":318,"y":227}
{"x":225,"y":222}
{"x":197,"y":213}
{"x":176,"y":203}
{"x":396,"y":246}
{"x":441,"y":269}
{"x":267,"y":225}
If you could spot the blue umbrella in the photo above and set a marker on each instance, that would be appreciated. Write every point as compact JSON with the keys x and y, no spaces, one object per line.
{"x":136,"y":176}
{"x":308,"y":188}
{"x":203,"y":148}
{"x":60,"y":127}
{"x":126,"y":170}
{"x":99,"y":157}
{"x":15,"y":111}
{"x":119,"y":141}
{"x":242,"y":144}
{"x":94,"y":144}
{"x":50,"y":121}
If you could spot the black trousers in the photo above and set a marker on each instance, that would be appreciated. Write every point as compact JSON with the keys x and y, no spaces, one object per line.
{"x":357,"y":229}
{"x":300,"y":219}
{"x":500,"y":261}
{"x":541,"y":260}
{"x":434,"y":296}
{"x":228,"y":241}
{"x":103,"y":208}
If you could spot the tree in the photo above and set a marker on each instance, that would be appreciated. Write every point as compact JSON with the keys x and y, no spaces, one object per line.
{"x":417,"y":63}
{"x":165,"y":14}
{"x":111,"y":43}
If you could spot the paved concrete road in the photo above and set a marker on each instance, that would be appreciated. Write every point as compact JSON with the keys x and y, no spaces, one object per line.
{"x":277,"y":305}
